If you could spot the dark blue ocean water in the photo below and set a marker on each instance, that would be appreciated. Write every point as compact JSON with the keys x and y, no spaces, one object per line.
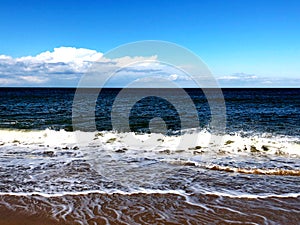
{"x":275,"y":111}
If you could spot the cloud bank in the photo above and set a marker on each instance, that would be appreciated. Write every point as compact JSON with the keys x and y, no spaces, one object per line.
{"x":251,"y":80}
{"x":64,"y":66}
{"x":60,"y":67}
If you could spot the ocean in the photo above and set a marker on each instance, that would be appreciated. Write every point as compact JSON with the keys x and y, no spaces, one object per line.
{"x":58,"y":168}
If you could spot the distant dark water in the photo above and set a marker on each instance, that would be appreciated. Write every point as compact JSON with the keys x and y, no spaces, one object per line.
{"x":260,"y":110}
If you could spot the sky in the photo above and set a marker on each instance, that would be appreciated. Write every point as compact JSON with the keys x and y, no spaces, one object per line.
{"x":244,"y":43}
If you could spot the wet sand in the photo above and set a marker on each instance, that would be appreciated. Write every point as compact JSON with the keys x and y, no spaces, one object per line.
{"x":10,"y":217}
{"x":146,"y":209}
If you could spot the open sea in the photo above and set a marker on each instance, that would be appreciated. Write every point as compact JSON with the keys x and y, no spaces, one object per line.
{"x":54,"y":172}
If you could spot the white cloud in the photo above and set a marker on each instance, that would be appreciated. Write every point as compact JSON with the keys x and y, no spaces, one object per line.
{"x":251,"y":80}
{"x":34,"y":79}
{"x":238,"y":76}
{"x":63,"y":66}
{"x":5,"y":57}
{"x":152,"y":71}
{"x":173,"y":77}
{"x":46,"y":67}
{"x":8,"y":81}
{"x":65,"y":55}
{"x":267,"y":82}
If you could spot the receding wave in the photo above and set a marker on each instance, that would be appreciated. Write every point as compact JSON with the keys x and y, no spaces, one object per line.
{"x":53,"y":163}
{"x":262,"y":171}
{"x":280,"y":172}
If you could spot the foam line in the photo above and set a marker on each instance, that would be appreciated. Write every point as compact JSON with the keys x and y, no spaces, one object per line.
{"x":151,"y":191}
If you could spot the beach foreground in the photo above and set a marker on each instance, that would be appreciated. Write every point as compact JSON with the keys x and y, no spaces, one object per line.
{"x":147,"y":209}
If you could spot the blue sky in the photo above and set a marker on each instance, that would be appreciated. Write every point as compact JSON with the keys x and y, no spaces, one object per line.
{"x":236,"y":39}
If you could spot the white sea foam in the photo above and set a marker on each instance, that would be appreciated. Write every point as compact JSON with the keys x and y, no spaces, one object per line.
{"x":54,"y":163}
{"x":229,"y":194}
{"x":230,"y":144}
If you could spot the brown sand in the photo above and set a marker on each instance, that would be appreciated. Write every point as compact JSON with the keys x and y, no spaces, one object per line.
{"x":10,"y":217}
{"x":169,"y":209}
